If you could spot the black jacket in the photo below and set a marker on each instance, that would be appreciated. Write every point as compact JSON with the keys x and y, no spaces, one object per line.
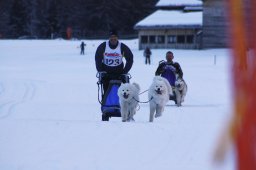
{"x":162,"y":65}
{"x":147,"y":52}
{"x":120,"y":69}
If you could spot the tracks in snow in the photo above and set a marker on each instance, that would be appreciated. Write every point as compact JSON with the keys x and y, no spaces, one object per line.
{"x":15,"y":93}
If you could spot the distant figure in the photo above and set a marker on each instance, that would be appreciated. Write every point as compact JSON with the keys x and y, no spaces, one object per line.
{"x":170,"y":70}
{"x":147,"y":54}
{"x":82,"y":48}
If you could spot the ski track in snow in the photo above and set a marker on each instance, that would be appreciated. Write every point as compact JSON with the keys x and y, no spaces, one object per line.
{"x":8,"y":107}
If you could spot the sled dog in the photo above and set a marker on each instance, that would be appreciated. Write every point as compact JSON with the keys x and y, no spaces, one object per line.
{"x":128,"y":98}
{"x":158,"y":96}
{"x":180,"y":90}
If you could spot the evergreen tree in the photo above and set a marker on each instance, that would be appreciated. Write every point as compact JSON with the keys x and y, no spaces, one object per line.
{"x":52,"y":19}
{"x":32,"y":17}
{"x":87,"y":18}
{"x":18,"y":19}
{"x":4,"y":19}
{"x":119,"y":14}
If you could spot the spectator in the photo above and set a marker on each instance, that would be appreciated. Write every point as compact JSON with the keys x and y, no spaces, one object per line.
{"x":147,"y":54}
{"x":82,"y":48}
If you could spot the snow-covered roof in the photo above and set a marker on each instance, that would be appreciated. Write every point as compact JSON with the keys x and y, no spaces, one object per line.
{"x":171,"y":19}
{"x":193,"y":8}
{"x":162,"y":3}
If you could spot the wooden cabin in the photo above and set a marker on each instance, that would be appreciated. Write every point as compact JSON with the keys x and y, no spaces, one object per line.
{"x":171,"y":29}
{"x":176,"y":24}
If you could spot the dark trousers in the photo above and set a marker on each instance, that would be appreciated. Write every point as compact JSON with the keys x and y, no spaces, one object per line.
{"x":82,"y":52}
{"x":147,"y":61}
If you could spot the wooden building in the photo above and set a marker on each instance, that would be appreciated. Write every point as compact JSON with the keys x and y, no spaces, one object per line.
{"x":215,"y":24}
{"x":176,"y":24}
{"x":210,"y":31}
{"x":171,"y":29}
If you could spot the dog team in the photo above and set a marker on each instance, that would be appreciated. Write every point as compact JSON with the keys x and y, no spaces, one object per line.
{"x":159,"y":93}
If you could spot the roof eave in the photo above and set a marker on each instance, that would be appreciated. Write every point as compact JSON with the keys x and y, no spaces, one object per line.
{"x":161,"y":27}
{"x":180,"y":5}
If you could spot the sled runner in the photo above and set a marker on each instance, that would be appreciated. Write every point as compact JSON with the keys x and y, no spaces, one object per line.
{"x":109,"y":101}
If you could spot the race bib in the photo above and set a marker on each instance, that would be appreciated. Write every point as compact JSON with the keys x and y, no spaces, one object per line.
{"x":112,"y":59}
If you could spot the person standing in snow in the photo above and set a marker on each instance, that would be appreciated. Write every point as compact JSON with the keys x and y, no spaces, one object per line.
{"x":109,"y":58}
{"x":82,"y":45}
{"x":147,"y":54}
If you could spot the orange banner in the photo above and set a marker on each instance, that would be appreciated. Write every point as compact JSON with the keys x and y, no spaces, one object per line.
{"x":243,"y":40}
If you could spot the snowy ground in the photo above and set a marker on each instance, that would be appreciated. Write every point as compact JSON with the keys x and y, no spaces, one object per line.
{"x":50,"y":118}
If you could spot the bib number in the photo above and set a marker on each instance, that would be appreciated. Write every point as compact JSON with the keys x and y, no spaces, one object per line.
{"x":113,"y":61}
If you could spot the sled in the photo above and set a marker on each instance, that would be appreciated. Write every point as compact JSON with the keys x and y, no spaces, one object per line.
{"x":109,"y":100}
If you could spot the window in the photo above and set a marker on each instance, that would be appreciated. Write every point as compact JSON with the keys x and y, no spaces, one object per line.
{"x":152,"y":39}
{"x":161,"y":39}
{"x":181,"y":38}
{"x":190,"y":39}
{"x":171,"y":39}
{"x":144,"y":39}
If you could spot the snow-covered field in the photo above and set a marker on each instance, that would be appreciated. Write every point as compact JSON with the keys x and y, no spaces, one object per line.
{"x":50,"y":118}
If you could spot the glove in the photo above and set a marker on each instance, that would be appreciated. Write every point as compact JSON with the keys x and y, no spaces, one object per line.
{"x":124,"y":72}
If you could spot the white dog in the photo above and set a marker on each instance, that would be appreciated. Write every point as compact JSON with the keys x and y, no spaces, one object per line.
{"x":128,"y":99}
{"x":158,"y":95}
{"x":180,"y":90}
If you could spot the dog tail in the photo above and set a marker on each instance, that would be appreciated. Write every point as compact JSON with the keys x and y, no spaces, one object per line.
{"x":137,"y":86}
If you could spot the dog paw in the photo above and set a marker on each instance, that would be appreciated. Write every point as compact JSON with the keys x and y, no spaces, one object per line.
{"x":131,"y":120}
{"x":158,"y":115}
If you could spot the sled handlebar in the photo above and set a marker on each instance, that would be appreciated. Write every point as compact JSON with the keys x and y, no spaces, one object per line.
{"x":101,"y":75}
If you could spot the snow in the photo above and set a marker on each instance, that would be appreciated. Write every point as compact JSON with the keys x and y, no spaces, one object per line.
{"x":174,"y":18}
{"x":50,"y":118}
{"x":179,"y":2}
